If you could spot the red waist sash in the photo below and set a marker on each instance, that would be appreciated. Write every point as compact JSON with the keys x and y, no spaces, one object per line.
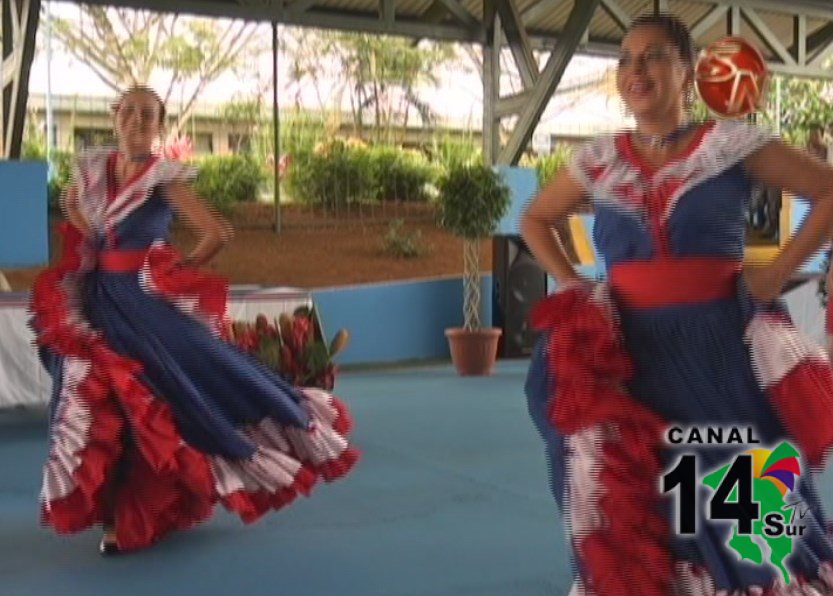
{"x":122,"y":260}
{"x":666,"y":282}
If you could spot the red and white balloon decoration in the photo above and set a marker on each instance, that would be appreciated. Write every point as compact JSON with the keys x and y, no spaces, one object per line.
{"x":731,"y":76}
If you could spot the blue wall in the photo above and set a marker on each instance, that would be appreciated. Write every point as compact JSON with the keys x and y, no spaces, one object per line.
{"x":24,"y":228}
{"x":396,"y":322}
{"x":523,"y":185}
{"x":800,"y":210}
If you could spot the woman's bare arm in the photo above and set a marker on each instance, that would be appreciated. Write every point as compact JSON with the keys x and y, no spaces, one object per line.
{"x":556,"y":201}
{"x":72,"y":211}
{"x":213,"y":229}
{"x":781,"y":166}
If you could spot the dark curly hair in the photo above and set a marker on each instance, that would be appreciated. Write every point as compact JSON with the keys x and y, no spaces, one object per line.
{"x":676,"y":31}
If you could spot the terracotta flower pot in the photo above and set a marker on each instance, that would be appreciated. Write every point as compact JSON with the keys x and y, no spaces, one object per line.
{"x":473,"y":351}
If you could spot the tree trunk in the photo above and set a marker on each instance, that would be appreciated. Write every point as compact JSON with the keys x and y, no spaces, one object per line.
{"x":471,"y":283}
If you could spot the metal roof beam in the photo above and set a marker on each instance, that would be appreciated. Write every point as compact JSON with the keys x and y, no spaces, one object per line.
{"x":617,"y":13}
{"x":822,"y":55}
{"x":812,"y":8}
{"x":387,"y":11}
{"x":767,"y":36}
{"x":799,"y":48}
{"x":818,"y":41}
{"x":463,"y":16}
{"x":372,"y":24}
{"x":712,"y":18}
{"x":313,"y":17}
{"x":577,"y":23}
{"x":539,"y":10}
{"x":661,"y":6}
{"x":512,"y":104}
{"x":734,"y":19}
{"x":491,"y":82}
{"x":518,"y":41}
{"x":607,"y":48}
{"x":299,"y":6}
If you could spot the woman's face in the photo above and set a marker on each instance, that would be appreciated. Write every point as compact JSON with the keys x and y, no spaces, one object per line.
{"x":652,"y":78}
{"x":138,"y":122}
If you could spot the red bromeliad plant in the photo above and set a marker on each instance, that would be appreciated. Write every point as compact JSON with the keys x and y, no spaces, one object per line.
{"x":293,"y":346}
{"x":178,"y":148}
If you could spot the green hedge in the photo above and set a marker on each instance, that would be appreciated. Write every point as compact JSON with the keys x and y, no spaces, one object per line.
{"x":225,"y":180}
{"x":547,"y":165}
{"x":340,"y":172}
{"x":222,"y":180}
{"x":334,"y":174}
{"x":400,"y":175}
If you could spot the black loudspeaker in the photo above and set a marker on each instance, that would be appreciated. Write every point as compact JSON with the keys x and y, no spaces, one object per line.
{"x":763,"y":216}
{"x":518,"y":283}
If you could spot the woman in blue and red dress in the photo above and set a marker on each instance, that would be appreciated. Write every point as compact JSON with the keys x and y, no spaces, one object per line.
{"x":155,"y":417}
{"x":680,"y":334}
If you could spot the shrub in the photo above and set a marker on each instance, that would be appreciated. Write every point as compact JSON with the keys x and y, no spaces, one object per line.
{"x":547,"y":165}
{"x":472,"y":201}
{"x":454,"y":151}
{"x":334,"y":174}
{"x":229,"y":179}
{"x":61,"y":178}
{"x":402,"y":244}
{"x":399,"y":174}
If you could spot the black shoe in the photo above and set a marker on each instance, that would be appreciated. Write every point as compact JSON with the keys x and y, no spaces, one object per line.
{"x":108,"y":548}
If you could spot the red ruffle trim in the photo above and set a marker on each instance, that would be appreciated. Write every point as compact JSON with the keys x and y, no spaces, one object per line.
{"x":629,"y":554}
{"x":339,"y":467}
{"x":804,"y":402}
{"x":170,"y":485}
{"x":343,"y":424}
{"x":252,"y":506}
{"x":172,"y":281}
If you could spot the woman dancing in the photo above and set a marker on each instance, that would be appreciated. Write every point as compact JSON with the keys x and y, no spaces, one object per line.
{"x":155,"y":418}
{"x":679,"y":335}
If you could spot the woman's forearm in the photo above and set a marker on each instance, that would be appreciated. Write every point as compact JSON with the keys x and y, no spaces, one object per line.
{"x":547,"y":248}
{"x":813,"y":233}
{"x":206,"y":249}
{"x":74,"y":216}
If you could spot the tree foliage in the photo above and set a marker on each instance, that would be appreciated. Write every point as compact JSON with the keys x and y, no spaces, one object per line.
{"x":380,"y":76}
{"x":127,"y":47}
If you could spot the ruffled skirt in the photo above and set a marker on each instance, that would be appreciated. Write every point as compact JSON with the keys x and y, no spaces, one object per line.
{"x":604,"y":387}
{"x":150,"y":400}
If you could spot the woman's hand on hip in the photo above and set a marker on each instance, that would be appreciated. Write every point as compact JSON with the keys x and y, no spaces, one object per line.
{"x":764,"y":284}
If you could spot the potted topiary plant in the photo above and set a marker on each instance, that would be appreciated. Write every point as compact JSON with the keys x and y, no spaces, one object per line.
{"x":472,"y":200}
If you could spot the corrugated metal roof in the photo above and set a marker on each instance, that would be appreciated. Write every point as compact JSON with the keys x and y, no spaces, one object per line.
{"x":545,"y":19}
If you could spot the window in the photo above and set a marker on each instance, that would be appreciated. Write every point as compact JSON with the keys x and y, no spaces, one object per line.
{"x":54,"y":134}
{"x":239,"y":143}
{"x":203,"y":143}
{"x":93,"y":137}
